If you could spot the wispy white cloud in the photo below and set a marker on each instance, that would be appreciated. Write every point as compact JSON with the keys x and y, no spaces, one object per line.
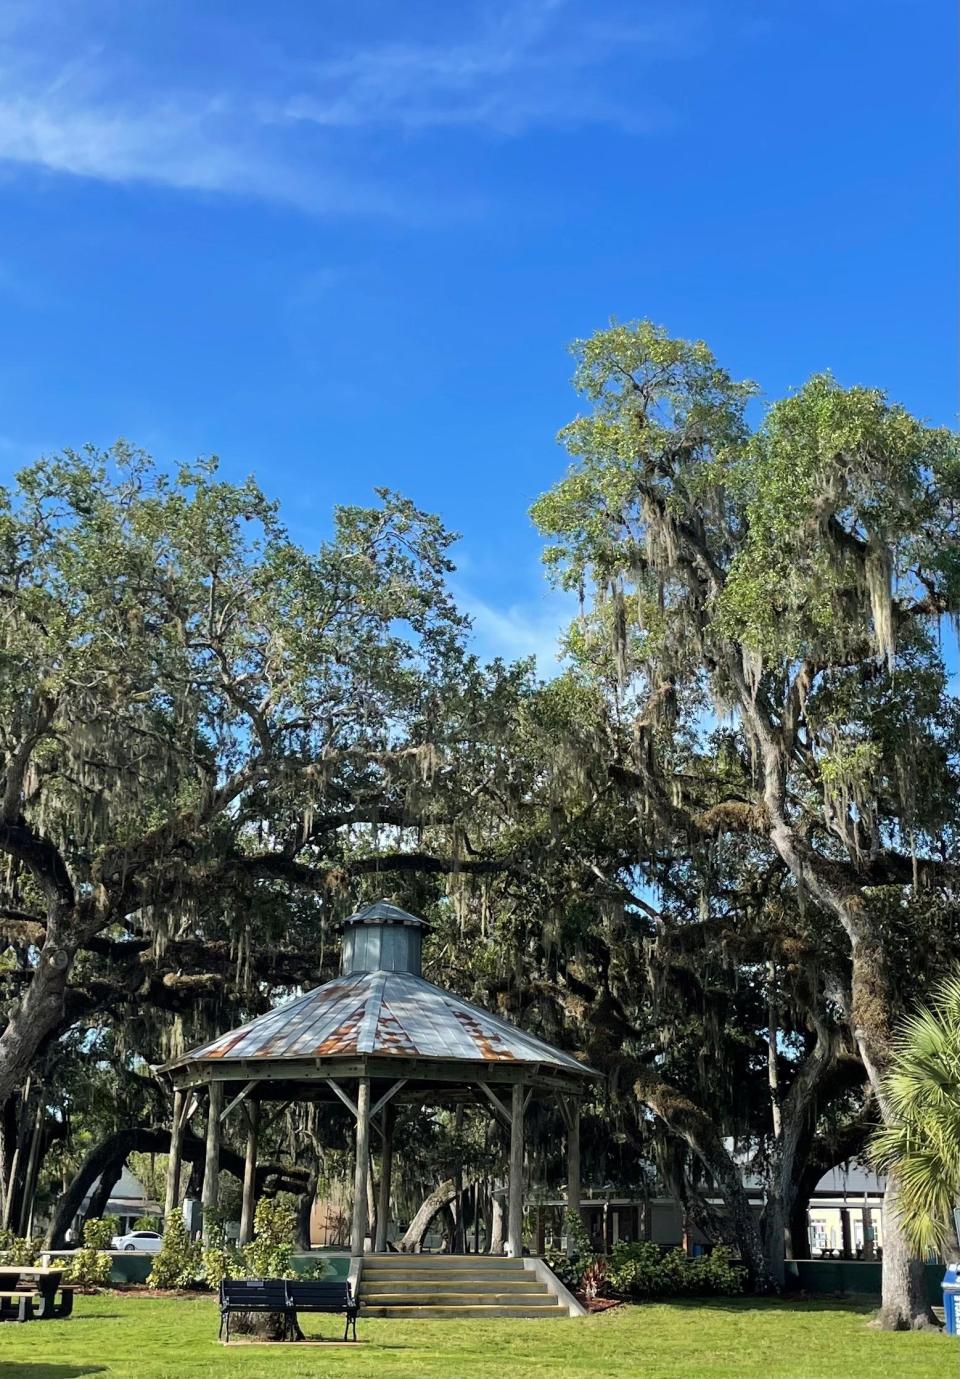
{"x":311,"y":132}
{"x":533,"y":63}
{"x":182,"y":142}
{"x":533,"y":627}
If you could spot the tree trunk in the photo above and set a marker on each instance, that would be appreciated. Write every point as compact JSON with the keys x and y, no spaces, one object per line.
{"x":100,"y":1196}
{"x":412,"y":1242}
{"x":774,"y":1232}
{"x":33,"y":1172}
{"x":798,"y":1228}
{"x":904,"y":1305}
{"x":97,"y":1161}
{"x":37,"y":1015}
{"x":18,"y":1123}
{"x":251,"y":1112}
{"x":497,"y":1222}
{"x":687,"y":1120}
{"x":305,"y":1210}
{"x":121,"y":1143}
{"x":874,"y":1006}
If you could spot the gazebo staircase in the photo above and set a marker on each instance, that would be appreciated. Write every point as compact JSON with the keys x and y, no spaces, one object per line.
{"x":440,"y":1286}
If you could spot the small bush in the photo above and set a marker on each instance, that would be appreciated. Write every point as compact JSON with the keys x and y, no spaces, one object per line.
{"x":717,"y":1273}
{"x":594,"y":1277}
{"x":269,"y":1253}
{"x":180,"y":1261}
{"x":89,"y":1267}
{"x":567,"y":1268}
{"x":643,"y":1270}
{"x":185,"y":1263}
{"x":148,"y":1223}
{"x":219,"y":1258}
{"x":98,"y":1232}
{"x":18,"y":1249}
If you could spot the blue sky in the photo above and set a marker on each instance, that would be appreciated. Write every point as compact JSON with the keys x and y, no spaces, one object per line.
{"x":346,"y":244}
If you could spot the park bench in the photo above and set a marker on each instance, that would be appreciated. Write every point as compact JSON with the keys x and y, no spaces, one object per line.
{"x":287,"y":1296}
{"x":255,"y":1295}
{"x":313,"y":1295}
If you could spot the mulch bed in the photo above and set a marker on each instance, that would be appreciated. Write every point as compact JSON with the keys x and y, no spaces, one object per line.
{"x":599,"y":1304}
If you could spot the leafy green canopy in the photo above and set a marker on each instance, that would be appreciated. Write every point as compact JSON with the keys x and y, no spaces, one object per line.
{"x":195,"y":710}
{"x":795,"y":572}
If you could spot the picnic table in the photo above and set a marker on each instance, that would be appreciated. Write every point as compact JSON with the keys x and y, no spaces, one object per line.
{"x":29,"y":1292}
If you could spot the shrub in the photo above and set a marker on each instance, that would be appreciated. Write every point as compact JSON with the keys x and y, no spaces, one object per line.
{"x":643,"y":1270}
{"x":269,"y":1253}
{"x":148,"y":1223}
{"x":98,"y":1232}
{"x":594,"y":1277}
{"x":184,"y":1263}
{"x":717,"y":1273}
{"x":566,"y":1268}
{"x":18,"y":1249}
{"x":89,"y":1267}
{"x":571,"y":1268}
{"x":179,"y":1263}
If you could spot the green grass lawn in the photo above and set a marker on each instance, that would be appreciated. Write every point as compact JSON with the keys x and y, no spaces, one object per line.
{"x":124,"y":1336}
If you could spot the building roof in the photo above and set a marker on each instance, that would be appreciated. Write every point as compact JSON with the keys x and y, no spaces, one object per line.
{"x":383,"y":1013}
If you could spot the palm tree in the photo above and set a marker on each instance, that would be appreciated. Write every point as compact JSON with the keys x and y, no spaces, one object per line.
{"x":922,"y":1089}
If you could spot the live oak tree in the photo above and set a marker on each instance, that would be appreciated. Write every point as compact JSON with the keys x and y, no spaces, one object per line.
{"x":197,"y":713}
{"x":793,"y":577}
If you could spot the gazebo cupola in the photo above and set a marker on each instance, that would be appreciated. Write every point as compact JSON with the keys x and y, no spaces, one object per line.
{"x":377,"y":1035}
{"x":381,"y":938}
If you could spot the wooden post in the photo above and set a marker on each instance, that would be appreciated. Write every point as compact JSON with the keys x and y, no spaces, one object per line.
{"x":33,"y":1168}
{"x":358,"y":1229}
{"x":251,"y":1110}
{"x":515,"y":1183}
{"x":573,"y":1158}
{"x":177,"y":1127}
{"x":386,"y":1171}
{"x":211,"y":1166}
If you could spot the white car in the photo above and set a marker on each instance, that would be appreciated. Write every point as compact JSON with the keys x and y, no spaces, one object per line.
{"x":148,"y":1241}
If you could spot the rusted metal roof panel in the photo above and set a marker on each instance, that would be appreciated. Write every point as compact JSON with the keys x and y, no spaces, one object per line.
{"x":383,"y":1013}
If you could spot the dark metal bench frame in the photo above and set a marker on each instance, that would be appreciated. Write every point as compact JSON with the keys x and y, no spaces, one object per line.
{"x":322,"y":1295}
{"x":288,"y":1297}
{"x":256,"y":1295}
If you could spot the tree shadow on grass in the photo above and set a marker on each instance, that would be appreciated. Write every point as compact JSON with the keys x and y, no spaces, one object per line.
{"x":784,"y":1302}
{"x":21,"y":1369}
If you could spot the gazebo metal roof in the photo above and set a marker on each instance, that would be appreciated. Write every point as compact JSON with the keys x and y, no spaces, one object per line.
{"x":388,"y":1013}
{"x":381,"y":1018}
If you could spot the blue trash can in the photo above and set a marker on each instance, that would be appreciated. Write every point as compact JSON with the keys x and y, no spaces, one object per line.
{"x":951,"y":1290}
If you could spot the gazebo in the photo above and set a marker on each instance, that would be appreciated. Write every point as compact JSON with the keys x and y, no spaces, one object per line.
{"x":374,"y":1037}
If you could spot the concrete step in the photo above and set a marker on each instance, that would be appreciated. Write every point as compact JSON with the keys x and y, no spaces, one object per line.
{"x":395,"y":1261}
{"x":451,"y":1284}
{"x":431,"y":1298}
{"x":453,"y":1312}
{"x":495,"y":1276}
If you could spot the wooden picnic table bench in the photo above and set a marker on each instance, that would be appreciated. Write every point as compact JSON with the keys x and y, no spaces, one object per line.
{"x":39,"y":1286}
